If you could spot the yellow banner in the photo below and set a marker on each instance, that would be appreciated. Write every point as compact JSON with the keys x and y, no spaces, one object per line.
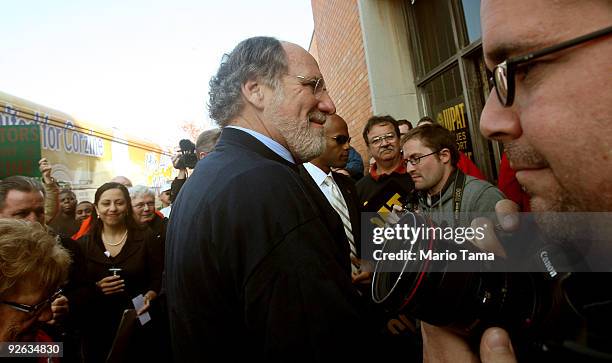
{"x":84,"y":155}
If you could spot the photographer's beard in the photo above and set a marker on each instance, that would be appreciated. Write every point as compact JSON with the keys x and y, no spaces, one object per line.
{"x":560,"y":214}
{"x":304,"y":142}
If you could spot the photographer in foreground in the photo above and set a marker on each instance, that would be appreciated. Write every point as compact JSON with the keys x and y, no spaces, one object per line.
{"x":189,"y":155}
{"x":554,"y":115}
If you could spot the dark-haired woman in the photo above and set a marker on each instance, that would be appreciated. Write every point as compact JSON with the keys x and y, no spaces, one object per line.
{"x":121,"y":263}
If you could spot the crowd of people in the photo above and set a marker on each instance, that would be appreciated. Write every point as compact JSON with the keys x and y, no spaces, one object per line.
{"x":258,"y":253}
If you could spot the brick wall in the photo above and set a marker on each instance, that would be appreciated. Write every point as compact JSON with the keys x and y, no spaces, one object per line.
{"x":338,"y":45}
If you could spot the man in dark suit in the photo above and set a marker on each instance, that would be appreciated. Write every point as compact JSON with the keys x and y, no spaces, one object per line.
{"x":252,"y":266}
{"x":343,"y":212}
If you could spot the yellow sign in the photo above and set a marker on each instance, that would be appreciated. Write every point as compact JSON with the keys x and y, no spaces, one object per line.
{"x":85,"y":156}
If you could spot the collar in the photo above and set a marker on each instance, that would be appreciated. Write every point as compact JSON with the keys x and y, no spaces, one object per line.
{"x":317,"y":174}
{"x":400,"y":169}
{"x":433,"y":199}
{"x":270,"y":143}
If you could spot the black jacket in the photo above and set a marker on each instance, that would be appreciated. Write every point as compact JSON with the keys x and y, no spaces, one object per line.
{"x":347,"y":188}
{"x":252,"y":269}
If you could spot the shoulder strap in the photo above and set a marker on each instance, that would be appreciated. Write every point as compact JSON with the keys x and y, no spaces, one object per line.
{"x":458,"y":195}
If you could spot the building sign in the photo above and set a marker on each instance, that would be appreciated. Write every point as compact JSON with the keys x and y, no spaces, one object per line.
{"x":19,"y":150}
{"x":453,"y":116}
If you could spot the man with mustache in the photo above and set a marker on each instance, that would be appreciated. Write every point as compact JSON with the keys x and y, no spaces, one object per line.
{"x":252,"y":267}
{"x":552,"y":110}
{"x":32,"y":267}
{"x":387,"y":182}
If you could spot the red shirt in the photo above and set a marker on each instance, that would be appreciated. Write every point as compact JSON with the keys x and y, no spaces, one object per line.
{"x":508,"y":184}
{"x":468,"y":167}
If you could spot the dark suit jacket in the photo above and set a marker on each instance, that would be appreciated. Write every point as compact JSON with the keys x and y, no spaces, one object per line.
{"x":252,"y":267}
{"x":347,"y":188}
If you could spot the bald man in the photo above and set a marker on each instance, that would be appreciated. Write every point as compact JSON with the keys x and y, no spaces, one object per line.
{"x":122,"y":180}
{"x":319,"y":174}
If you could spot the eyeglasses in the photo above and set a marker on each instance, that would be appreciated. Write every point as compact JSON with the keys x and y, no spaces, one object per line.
{"x":417,"y":160}
{"x":317,"y":84}
{"x":376,"y":141}
{"x":503,"y":73}
{"x":33,"y":309}
{"x":342,"y":139}
{"x":150,"y":205}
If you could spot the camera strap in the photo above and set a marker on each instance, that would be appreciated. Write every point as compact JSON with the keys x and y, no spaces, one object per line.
{"x":458,"y":195}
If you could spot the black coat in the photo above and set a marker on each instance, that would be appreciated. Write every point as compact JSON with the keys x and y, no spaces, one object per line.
{"x":349,"y":192}
{"x":252,"y":269}
{"x":141,"y":267}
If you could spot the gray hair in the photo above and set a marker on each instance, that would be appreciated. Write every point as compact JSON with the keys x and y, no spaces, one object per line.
{"x":27,"y":250}
{"x":260,"y":58}
{"x":140,"y":190}
{"x":21,"y":183}
{"x":207,"y":140}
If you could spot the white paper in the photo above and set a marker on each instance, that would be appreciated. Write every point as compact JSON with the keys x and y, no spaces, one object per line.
{"x":138,"y":302}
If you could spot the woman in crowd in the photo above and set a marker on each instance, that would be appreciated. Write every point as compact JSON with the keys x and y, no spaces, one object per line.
{"x":32,"y":267}
{"x":121,"y":263}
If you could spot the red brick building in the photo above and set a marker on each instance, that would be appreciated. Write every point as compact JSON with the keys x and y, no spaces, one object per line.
{"x":408,"y":59}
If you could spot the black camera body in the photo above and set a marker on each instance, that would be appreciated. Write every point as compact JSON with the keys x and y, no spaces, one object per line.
{"x":188,"y":158}
{"x":550,"y":315}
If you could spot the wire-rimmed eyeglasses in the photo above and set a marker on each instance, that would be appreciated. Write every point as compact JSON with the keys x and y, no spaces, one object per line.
{"x":376,"y":141}
{"x":503,"y":73}
{"x":417,"y":160}
{"x":317,"y":84}
{"x":33,"y":309}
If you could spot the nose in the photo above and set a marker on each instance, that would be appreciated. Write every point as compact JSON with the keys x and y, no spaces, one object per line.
{"x":385,"y":141}
{"x":498,"y":122}
{"x":326,"y":105}
{"x":409,"y":166}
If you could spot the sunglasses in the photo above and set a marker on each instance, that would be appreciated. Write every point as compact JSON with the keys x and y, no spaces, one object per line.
{"x":341,"y":139}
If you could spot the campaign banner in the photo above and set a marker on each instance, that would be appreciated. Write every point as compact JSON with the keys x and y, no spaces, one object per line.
{"x":19,"y":150}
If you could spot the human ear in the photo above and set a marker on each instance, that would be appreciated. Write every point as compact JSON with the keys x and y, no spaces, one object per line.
{"x":445,"y":155}
{"x":253,"y":92}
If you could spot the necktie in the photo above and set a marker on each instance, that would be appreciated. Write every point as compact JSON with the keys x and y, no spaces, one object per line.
{"x":337,"y":201}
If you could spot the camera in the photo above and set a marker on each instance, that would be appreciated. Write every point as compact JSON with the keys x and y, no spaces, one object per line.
{"x":550,"y":315}
{"x":188,"y":158}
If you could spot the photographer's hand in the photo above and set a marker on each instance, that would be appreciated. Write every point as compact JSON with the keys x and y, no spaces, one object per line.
{"x":507,"y":213}
{"x":441,"y":345}
{"x":182,"y":172}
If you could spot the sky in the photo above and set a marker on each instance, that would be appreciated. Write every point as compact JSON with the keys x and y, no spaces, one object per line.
{"x":142,"y":66}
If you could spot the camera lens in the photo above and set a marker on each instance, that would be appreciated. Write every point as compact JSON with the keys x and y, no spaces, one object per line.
{"x":467,"y":302}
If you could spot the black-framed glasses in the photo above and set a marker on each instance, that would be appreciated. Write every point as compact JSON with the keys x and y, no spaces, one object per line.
{"x":503,"y":73}
{"x":417,"y":160}
{"x":33,"y":309}
{"x":376,"y":141}
{"x":341,"y":139}
{"x":317,"y":84}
